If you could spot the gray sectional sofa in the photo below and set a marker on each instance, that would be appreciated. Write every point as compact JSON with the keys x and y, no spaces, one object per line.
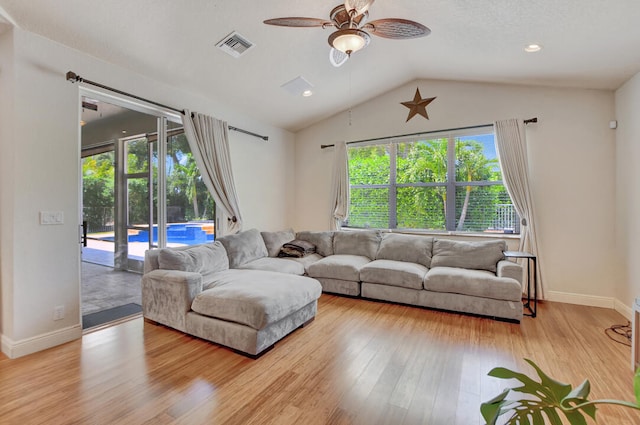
{"x":239,"y":293}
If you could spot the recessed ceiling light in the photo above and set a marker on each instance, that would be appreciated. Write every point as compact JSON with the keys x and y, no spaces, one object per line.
{"x":298,"y":86}
{"x":307,"y":93}
{"x":532,"y":48}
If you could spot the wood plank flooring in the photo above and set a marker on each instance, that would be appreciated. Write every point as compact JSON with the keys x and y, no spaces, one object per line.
{"x":359,"y":362}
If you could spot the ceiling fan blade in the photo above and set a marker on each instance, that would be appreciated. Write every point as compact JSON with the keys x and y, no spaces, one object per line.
{"x":337,"y":58}
{"x":298,"y":22}
{"x":396,"y":29}
{"x":360,"y":6}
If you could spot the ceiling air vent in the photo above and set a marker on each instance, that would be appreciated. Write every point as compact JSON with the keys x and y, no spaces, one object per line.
{"x":234,"y":44}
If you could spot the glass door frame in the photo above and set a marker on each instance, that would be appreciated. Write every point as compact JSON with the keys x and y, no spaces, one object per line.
{"x":163,"y":116}
{"x":122,"y":261}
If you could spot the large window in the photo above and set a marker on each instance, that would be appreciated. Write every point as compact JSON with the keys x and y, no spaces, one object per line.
{"x":450,"y":183}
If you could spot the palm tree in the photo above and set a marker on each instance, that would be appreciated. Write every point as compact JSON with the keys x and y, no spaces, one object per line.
{"x":192,"y":175}
{"x":471,"y":165}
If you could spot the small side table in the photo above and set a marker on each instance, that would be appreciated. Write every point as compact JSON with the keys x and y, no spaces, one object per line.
{"x":533,"y":311}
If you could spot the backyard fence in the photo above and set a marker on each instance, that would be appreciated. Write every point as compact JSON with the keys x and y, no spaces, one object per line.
{"x":99,"y":219}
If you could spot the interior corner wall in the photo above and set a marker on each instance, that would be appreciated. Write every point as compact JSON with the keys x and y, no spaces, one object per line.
{"x":571,"y":154}
{"x":41,"y":263}
{"x":627,"y":104}
{"x":6,"y":186}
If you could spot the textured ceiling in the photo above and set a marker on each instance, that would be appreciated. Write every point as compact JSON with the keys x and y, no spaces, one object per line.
{"x":587,"y":43}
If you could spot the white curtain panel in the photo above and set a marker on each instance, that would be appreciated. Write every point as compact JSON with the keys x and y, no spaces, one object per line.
{"x":209,"y":142}
{"x":511,"y":146}
{"x":340,"y":186}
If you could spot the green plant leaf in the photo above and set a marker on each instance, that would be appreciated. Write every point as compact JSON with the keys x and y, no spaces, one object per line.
{"x":579,"y":396}
{"x":575,"y":418}
{"x":560,"y":389}
{"x":490,"y":410}
{"x":537,"y":417}
{"x":547,"y":398}
{"x":581,"y":392}
{"x":552,"y":415}
{"x":529,"y":385}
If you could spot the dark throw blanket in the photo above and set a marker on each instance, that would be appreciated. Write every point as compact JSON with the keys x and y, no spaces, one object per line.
{"x":297,"y":248}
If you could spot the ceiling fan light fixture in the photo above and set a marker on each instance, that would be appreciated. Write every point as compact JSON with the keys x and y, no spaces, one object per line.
{"x":349,"y":40}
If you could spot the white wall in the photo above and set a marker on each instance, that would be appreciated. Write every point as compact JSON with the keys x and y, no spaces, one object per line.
{"x":40,"y":149}
{"x":6,"y":177}
{"x":627,"y":103}
{"x":572,"y":158}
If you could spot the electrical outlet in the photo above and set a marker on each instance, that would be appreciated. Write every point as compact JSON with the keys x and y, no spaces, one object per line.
{"x":58,"y":312}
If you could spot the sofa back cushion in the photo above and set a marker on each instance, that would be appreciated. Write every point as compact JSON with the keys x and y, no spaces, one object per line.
{"x":364,"y":243}
{"x":205,"y":259}
{"x":468,"y":255}
{"x":323,"y":241}
{"x":274,"y":240}
{"x":244,"y":247}
{"x":408,"y":248}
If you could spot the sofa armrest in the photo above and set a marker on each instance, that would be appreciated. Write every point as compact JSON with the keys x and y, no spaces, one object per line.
{"x":510,"y":269}
{"x":167,"y":296}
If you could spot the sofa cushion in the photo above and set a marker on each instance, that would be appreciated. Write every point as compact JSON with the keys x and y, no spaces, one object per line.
{"x":394,"y":273}
{"x":477,"y":283}
{"x":256,"y":298}
{"x":244,"y":247}
{"x":273,"y":241}
{"x":307,"y":260}
{"x":468,"y":255}
{"x":342,"y":267}
{"x":282,"y":265}
{"x":206,"y":259}
{"x":409,"y":248}
{"x":322,"y":240}
{"x":364,"y":243}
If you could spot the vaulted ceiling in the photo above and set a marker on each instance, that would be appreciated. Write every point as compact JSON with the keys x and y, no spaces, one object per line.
{"x":587,"y":43}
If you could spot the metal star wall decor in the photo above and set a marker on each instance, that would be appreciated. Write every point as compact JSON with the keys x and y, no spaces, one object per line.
{"x":418,"y":106}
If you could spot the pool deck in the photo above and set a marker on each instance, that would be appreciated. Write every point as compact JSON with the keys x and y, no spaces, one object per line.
{"x":101,"y":251}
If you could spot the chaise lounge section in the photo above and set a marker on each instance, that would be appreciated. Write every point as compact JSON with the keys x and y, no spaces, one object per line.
{"x":193,"y":289}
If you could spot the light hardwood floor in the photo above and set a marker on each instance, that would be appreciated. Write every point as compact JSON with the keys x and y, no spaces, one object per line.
{"x":359,"y":362}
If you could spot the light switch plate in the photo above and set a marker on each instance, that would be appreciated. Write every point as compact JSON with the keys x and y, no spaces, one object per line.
{"x":51,"y":217}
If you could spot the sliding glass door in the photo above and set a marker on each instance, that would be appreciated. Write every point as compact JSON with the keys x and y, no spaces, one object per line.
{"x":155,"y":202}
{"x":134,"y":230}
{"x":190,"y":209}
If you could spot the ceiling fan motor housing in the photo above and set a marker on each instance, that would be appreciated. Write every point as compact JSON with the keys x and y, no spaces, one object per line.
{"x":342,"y":19}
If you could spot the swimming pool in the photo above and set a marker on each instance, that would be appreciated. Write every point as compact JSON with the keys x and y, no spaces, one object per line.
{"x":182,"y":233}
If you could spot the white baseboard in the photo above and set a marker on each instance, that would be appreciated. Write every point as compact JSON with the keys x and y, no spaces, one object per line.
{"x":623,"y":309}
{"x":5,"y":344}
{"x":591,"y":301}
{"x":15,"y":349}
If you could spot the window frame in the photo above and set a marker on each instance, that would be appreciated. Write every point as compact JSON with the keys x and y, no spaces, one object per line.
{"x":451,"y":184}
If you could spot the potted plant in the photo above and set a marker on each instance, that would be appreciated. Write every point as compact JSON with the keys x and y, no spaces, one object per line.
{"x":548,"y":399}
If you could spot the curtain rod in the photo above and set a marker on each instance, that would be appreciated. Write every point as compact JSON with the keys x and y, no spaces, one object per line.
{"x":530,"y":120}
{"x":73,"y":77}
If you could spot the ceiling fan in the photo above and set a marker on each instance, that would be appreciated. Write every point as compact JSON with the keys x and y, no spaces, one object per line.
{"x":351,"y":21}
